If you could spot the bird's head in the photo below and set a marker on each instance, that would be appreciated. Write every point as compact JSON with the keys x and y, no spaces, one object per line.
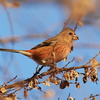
{"x":69,"y":35}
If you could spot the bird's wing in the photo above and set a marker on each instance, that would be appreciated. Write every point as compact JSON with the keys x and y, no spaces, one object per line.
{"x":45,"y":43}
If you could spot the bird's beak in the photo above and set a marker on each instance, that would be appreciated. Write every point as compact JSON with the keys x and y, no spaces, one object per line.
{"x":75,"y":37}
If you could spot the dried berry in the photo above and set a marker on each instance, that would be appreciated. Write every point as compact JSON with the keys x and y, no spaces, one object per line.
{"x":85,"y":78}
{"x":78,"y":85}
{"x":64,"y":84}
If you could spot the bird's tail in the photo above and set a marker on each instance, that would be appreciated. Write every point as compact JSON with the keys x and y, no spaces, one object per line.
{"x":24,"y":52}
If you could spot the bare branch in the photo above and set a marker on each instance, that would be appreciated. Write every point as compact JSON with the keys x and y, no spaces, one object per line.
{"x":66,"y":23}
{"x":21,"y":38}
{"x":92,"y":96}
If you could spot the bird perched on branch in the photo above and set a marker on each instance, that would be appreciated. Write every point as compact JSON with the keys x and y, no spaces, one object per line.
{"x":51,"y":50}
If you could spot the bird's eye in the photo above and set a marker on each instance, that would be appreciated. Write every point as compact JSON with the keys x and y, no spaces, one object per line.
{"x":70,"y":33}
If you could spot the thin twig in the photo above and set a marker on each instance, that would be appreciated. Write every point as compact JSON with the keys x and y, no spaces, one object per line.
{"x":68,"y":96}
{"x":11,"y":29}
{"x":92,"y":59}
{"x":69,"y":62}
{"x":9,"y":19}
{"x":22,"y":38}
{"x":17,"y":89}
{"x":58,"y":98}
{"x":66,"y":23}
{"x":9,"y":81}
{"x":77,"y":23}
{"x":39,"y":88}
{"x":91,"y":96}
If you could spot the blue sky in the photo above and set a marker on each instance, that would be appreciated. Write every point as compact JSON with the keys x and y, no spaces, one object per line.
{"x":38,"y":19}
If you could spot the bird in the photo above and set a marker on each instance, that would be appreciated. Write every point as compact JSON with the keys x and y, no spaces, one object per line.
{"x":52,"y":50}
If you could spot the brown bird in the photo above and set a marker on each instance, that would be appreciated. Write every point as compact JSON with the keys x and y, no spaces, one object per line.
{"x":51,"y":50}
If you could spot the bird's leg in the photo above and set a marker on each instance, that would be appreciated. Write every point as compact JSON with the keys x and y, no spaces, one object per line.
{"x":37,"y":71}
{"x":37,"y":68}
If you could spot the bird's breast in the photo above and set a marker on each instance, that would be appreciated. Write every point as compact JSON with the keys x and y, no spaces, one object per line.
{"x":49,"y":54}
{"x":62,"y":51}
